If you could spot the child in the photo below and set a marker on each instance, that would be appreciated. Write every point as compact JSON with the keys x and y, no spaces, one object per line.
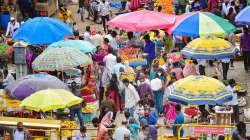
{"x":140,"y":110}
{"x":133,"y":128}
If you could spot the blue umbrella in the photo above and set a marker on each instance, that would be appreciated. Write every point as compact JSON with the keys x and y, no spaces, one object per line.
{"x":42,"y":30}
{"x":243,"y":17}
{"x":83,"y":46}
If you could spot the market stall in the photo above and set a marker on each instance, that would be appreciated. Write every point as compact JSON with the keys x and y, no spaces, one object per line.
{"x":133,"y":56}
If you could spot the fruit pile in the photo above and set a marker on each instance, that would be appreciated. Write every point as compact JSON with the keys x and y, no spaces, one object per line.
{"x":130,"y":52}
{"x":89,"y":109}
{"x":69,"y":125}
{"x":129,"y":76}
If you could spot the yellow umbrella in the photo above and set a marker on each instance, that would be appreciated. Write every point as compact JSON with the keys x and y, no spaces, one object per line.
{"x":50,"y":99}
{"x":209,"y":48}
{"x":198,"y":90}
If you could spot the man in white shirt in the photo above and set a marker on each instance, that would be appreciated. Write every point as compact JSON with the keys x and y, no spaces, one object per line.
{"x":110,"y":60}
{"x":13,"y":25}
{"x":83,"y":135}
{"x":8,"y":78}
{"x":19,"y":133}
{"x":121,"y":131}
{"x":97,"y":39}
{"x":131,"y":97}
{"x":234,"y":101}
{"x":118,"y":67}
{"x":87,"y":33}
{"x":112,"y":40}
{"x":105,"y":11}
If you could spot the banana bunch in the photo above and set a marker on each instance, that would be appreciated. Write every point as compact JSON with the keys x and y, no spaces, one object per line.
{"x":68,"y":124}
{"x":238,"y":87}
{"x":129,"y":76}
{"x":89,"y":108}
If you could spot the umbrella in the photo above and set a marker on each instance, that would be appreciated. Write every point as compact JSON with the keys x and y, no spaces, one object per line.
{"x":209,"y":48}
{"x":243,"y":17}
{"x":60,"y":59}
{"x":143,"y":20}
{"x":42,"y":30}
{"x":29,"y":84}
{"x":83,"y":46}
{"x":200,"y":24}
{"x":199,"y":90}
{"x":50,"y":99}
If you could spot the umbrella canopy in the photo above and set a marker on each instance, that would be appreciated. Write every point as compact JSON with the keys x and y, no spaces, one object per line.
{"x":50,"y":99}
{"x":209,"y":48}
{"x":29,"y":84}
{"x":60,"y":59}
{"x":144,"y":20}
{"x":42,"y":30}
{"x":199,"y":90}
{"x":83,"y":46}
{"x":200,"y":24}
{"x":243,"y":17}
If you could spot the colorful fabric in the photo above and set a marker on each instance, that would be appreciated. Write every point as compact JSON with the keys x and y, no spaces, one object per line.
{"x":199,"y":90}
{"x":201,"y":24}
{"x":209,"y":48}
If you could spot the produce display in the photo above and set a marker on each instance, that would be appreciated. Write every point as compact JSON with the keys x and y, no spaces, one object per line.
{"x":129,"y":76}
{"x":68,"y":125}
{"x":130,"y":52}
{"x":89,"y":109}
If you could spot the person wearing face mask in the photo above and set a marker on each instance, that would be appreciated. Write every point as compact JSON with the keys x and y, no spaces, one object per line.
{"x":157,"y":87}
{"x":144,"y":87}
{"x":13,"y":25}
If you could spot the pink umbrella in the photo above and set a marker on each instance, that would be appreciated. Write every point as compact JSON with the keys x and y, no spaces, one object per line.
{"x":144,"y":20}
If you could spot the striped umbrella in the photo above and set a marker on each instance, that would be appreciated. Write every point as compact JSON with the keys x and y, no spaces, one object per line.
{"x":83,"y":46}
{"x":60,"y":59}
{"x":199,"y":90}
{"x":209,"y":48}
{"x":199,"y":24}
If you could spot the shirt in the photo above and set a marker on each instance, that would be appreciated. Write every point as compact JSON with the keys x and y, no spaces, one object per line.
{"x":96,"y":40}
{"x":82,"y":137}
{"x":150,"y":50}
{"x":8,"y":80}
{"x":234,"y":100}
{"x":104,"y":8}
{"x":19,"y":135}
{"x":87,"y":36}
{"x":11,"y":28}
{"x":131,"y":96}
{"x":179,"y":120}
{"x":245,"y":42}
{"x":225,"y":60}
{"x":110,"y":61}
{"x":112,"y":42}
{"x":120,"y":132}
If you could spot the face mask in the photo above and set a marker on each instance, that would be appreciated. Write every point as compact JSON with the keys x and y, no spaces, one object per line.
{"x":20,"y":129}
{"x":159,"y":73}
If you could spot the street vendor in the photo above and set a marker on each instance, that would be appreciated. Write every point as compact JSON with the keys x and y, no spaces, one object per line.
{"x":149,"y":49}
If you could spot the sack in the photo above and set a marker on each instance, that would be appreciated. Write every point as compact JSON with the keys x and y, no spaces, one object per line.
{"x":242,"y":102}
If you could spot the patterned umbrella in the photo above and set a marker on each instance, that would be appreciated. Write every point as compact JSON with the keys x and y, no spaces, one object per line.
{"x":60,"y":59}
{"x":199,"y":24}
{"x":83,"y":46}
{"x":29,"y":84}
{"x":50,"y":99}
{"x":209,"y":48}
{"x":199,"y":90}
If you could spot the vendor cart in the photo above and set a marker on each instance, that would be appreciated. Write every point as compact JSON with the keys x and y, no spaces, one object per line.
{"x":44,"y":128}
